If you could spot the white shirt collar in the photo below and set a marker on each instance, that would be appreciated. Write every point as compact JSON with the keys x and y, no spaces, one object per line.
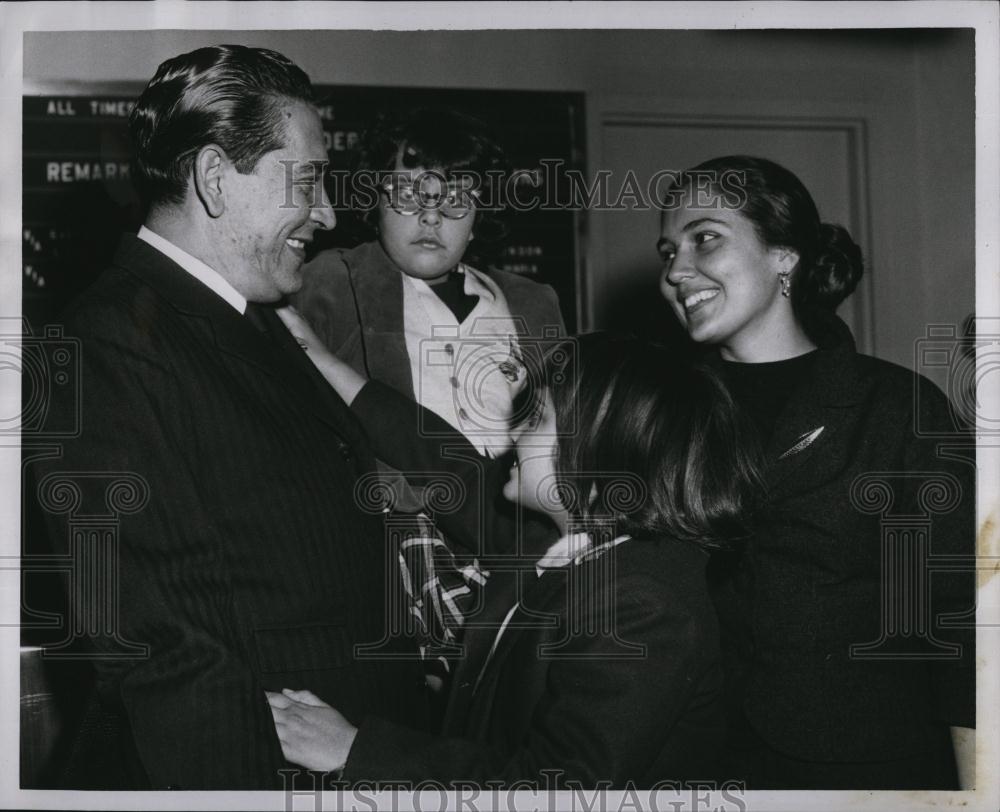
{"x":209,"y":277}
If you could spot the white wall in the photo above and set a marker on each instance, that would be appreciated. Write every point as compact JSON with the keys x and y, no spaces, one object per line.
{"x":913,"y":89}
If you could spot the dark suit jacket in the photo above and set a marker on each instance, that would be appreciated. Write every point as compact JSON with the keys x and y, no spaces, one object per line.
{"x":252,"y":567}
{"x":608,"y":672}
{"x":812,"y":583}
{"x":639,"y":703}
{"x":354,"y":301}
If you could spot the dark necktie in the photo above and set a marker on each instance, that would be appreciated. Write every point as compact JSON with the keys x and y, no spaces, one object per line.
{"x":255,"y":314}
{"x":267,"y":321}
{"x":264,"y":318}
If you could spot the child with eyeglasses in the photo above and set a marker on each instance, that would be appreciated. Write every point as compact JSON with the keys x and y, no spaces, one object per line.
{"x":406,"y":310}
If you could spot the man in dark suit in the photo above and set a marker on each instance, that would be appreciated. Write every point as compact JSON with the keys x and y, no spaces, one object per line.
{"x":241,"y":559}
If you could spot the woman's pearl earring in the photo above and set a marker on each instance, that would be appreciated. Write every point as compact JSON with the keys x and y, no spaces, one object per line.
{"x":786,"y":284}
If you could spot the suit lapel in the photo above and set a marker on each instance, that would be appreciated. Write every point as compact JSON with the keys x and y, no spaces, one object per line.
{"x":538,"y":609}
{"x":189,"y":296}
{"x":309,"y":383}
{"x":378,"y":291}
{"x":501,"y":592}
{"x":232,"y":333}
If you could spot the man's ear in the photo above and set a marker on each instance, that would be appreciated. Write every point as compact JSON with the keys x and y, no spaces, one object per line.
{"x":209,"y":167}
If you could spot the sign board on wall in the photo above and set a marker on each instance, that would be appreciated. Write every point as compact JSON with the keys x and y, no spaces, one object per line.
{"x":78,"y":194}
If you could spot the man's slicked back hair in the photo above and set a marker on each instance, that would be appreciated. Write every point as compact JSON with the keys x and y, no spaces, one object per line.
{"x":228,"y":95}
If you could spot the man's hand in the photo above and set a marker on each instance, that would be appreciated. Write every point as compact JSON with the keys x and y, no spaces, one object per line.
{"x":312,"y":734}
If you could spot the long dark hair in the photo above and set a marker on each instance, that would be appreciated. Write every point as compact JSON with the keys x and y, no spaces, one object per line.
{"x":651,"y":443}
{"x":784,"y":215}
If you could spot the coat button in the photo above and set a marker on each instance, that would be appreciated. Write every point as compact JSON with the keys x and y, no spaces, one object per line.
{"x":345,"y":452}
{"x":449,"y":348}
{"x":454,"y":381}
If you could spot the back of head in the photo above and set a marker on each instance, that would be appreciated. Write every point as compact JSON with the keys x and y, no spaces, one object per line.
{"x":657,"y":442}
{"x":228,"y":95}
{"x":785,"y":215}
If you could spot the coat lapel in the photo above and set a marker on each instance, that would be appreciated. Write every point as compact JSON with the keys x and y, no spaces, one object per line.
{"x":530,"y":311}
{"x":537,"y":610}
{"x":377,"y":286}
{"x":501,"y":593}
{"x":233,"y":335}
{"x":314,"y":389}
{"x":189,"y":296}
{"x":378,"y":291}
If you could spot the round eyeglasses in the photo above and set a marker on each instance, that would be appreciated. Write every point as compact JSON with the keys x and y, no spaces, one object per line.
{"x":408,"y":199}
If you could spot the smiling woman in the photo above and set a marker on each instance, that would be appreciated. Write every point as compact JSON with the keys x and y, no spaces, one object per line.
{"x":728,"y":286}
{"x":815,"y":703}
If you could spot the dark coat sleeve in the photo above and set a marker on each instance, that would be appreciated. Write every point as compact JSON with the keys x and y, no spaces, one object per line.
{"x":411,"y":438}
{"x":197,"y":714}
{"x":601,"y":717}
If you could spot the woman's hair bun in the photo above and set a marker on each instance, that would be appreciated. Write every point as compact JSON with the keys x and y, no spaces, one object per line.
{"x":833,"y":272}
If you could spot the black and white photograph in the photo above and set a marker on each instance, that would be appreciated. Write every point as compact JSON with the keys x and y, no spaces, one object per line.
{"x":498,"y":406}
